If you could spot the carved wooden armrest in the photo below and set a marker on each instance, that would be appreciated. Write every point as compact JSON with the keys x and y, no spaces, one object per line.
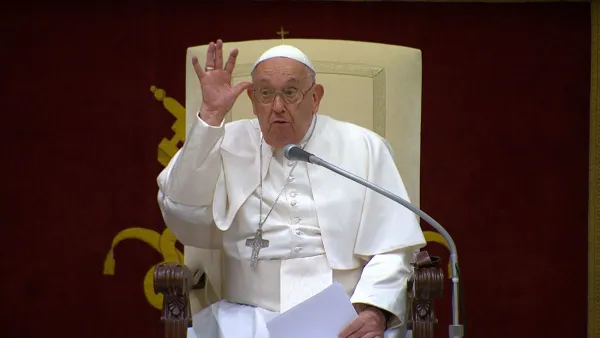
{"x":174,"y":281}
{"x":424,"y":286}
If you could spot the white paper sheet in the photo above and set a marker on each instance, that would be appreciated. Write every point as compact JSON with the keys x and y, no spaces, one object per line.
{"x":324,"y":315}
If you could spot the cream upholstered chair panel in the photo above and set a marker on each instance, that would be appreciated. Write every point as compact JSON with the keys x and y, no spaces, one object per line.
{"x":376,"y":86}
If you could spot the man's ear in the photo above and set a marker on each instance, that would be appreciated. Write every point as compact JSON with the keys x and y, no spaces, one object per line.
{"x":251,"y":97}
{"x":317,"y":96}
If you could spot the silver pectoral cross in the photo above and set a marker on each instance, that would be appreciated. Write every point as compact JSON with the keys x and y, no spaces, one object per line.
{"x":257,"y":243}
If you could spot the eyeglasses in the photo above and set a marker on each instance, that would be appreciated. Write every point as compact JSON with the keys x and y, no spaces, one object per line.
{"x":290,"y":96}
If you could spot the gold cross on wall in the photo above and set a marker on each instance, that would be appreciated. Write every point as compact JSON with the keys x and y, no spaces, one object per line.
{"x":282,"y":33}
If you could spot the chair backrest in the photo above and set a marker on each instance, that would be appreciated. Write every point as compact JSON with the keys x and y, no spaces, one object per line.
{"x":373,"y":85}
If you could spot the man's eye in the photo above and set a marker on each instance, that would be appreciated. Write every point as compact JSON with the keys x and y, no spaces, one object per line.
{"x":289,"y":92}
{"x":265,"y":92}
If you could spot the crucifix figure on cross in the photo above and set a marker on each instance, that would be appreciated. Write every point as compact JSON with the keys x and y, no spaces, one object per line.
{"x":282,"y":33}
{"x":257,"y":243}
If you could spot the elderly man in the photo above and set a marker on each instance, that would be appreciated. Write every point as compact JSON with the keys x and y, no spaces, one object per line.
{"x":287,"y":230}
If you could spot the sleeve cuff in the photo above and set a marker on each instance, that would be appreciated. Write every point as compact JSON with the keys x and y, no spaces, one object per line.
{"x":381,"y":301}
{"x":203,"y":123}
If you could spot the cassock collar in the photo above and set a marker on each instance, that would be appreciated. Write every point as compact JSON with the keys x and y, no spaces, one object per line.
{"x":311,"y":130}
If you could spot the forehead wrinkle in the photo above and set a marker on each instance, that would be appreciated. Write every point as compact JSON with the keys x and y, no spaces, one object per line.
{"x":268,"y":80}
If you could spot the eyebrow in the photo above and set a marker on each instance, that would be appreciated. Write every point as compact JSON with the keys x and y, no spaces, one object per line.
{"x":292,"y":79}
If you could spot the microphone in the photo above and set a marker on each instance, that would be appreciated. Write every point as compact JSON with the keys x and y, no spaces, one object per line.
{"x":294,"y":153}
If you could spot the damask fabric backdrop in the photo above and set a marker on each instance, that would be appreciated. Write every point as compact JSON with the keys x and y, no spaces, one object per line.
{"x":504,"y":154}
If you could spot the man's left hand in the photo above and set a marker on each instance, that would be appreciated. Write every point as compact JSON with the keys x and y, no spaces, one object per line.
{"x":369,"y":324}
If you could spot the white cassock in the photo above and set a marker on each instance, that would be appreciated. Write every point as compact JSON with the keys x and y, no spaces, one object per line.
{"x":323,"y":228}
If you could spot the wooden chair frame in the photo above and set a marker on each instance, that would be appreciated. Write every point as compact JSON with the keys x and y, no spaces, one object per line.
{"x":175,"y":281}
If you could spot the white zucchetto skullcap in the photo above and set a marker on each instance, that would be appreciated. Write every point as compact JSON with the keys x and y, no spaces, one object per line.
{"x":284,"y":51}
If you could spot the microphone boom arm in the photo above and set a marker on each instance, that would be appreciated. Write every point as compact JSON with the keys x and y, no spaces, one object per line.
{"x":456,"y":330}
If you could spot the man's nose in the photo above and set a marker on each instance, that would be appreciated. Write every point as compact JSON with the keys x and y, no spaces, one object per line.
{"x":278,"y":105}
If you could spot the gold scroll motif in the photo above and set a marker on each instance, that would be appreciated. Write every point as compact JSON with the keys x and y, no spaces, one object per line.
{"x":163,"y":242}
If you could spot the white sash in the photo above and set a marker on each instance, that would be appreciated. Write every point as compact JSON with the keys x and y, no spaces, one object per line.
{"x":288,"y":282}
{"x":302,"y":278}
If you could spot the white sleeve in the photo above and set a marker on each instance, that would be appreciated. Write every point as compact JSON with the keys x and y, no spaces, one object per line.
{"x":383,"y":283}
{"x":187,"y":184}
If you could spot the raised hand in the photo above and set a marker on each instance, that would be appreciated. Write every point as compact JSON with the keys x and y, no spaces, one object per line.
{"x":218,"y":94}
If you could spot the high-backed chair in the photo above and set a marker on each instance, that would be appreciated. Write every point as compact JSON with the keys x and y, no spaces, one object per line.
{"x":373,"y":85}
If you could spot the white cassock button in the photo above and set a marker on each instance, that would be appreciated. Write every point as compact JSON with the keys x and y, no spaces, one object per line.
{"x":291,"y":179}
{"x":293,"y":194}
{"x":296,"y":250}
{"x":290,"y":164}
{"x":296,"y":220}
{"x":293,"y":203}
{"x":298,"y":232}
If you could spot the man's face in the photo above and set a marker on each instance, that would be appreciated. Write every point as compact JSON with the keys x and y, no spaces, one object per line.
{"x":284,"y":97}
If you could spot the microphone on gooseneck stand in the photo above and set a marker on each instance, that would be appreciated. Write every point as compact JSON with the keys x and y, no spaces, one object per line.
{"x":294,"y":153}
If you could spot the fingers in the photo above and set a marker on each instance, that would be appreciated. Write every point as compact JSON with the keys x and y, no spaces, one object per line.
{"x":352,"y":328}
{"x":197,"y":67}
{"x":230,"y":65}
{"x":358,"y":334}
{"x":364,"y":326}
{"x":210,"y":55}
{"x":371,"y":335}
{"x":241,"y":87}
{"x":214,"y":59}
{"x":219,"y":55}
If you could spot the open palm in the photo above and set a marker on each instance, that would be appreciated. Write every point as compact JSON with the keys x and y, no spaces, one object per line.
{"x":218,"y":93}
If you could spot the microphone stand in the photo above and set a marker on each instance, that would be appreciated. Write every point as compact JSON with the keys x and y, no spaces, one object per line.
{"x":455,"y":330}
